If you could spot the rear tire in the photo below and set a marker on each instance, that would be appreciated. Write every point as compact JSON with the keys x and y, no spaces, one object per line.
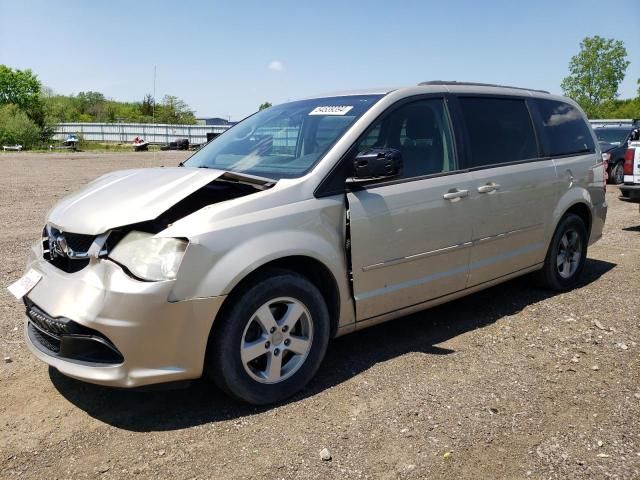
{"x":566,"y":256}
{"x":616,"y":174}
{"x":271,"y":340}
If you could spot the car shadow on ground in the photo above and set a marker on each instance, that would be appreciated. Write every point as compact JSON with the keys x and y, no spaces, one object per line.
{"x":347,"y":356}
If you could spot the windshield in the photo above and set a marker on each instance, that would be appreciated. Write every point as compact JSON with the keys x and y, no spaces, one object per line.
{"x":284,"y":141}
{"x":614,"y":136}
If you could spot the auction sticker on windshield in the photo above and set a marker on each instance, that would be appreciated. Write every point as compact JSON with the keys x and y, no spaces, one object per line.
{"x":24,"y":285}
{"x":331,"y":110}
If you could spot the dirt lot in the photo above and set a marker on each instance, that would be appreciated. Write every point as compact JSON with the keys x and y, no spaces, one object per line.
{"x":512,"y":382}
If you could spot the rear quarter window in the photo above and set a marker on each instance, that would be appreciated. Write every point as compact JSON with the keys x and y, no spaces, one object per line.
{"x":564,"y":129}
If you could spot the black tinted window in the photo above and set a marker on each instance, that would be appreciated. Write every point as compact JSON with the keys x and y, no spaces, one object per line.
{"x":500,"y":130}
{"x":565,"y":130}
{"x":420,"y":130}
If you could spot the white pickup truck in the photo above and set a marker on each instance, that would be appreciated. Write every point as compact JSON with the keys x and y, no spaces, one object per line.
{"x":630,"y":189}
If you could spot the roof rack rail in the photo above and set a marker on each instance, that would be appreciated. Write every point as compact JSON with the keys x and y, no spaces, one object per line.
{"x":475,"y":84}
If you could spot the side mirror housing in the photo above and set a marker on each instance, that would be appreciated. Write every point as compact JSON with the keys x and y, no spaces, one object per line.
{"x":376,"y":164}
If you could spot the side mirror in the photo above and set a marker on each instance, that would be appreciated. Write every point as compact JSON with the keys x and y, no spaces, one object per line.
{"x":376,"y":164}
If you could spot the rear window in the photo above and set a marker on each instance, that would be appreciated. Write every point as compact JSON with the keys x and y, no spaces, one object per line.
{"x":500,"y":130}
{"x":614,"y":136}
{"x":565,"y":129}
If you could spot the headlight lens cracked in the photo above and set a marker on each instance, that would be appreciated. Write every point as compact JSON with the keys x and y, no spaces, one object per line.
{"x":149,"y":258}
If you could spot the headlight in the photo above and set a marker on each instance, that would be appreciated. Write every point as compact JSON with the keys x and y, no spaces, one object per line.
{"x":149,"y":258}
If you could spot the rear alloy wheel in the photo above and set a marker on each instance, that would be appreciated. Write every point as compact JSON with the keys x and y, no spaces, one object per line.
{"x":569,"y":253}
{"x":566,"y":255}
{"x":617,"y":173}
{"x":271,"y":340}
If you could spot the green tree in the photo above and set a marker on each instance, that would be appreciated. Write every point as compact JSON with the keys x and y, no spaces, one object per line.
{"x":16,"y":128}
{"x":146,"y":107}
{"x":596,"y":72}
{"x":265,"y":105}
{"x":175,"y":111}
{"x":92,"y":103}
{"x":19,"y":87}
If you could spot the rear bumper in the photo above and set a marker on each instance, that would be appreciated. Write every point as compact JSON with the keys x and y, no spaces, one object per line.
{"x":630,"y":192}
{"x":159,"y":340}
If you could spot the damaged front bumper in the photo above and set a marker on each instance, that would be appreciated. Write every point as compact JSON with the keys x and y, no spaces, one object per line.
{"x":151,"y":338}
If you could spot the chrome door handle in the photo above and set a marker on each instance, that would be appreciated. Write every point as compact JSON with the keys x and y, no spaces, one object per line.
{"x":488,"y":188}
{"x":455,"y":193}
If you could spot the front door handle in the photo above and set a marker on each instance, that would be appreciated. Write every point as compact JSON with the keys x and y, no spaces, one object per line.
{"x":488,"y":188}
{"x":454,"y":194}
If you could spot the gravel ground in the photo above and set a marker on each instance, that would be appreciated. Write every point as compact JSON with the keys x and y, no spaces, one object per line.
{"x":512,"y":382}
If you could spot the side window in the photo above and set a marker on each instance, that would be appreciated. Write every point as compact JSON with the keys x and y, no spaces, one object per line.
{"x":372,"y":139}
{"x":499,"y":129}
{"x":565,"y":130}
{"x":421,"y":131}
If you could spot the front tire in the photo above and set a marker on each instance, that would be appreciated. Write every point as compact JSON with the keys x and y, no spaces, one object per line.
{"x":566,"y":256}
{"x":271,"y":340}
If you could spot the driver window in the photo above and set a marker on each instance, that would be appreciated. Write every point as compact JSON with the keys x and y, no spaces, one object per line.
{"x":420,"y":130}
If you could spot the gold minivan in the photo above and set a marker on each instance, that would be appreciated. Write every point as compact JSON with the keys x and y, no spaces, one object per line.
{"x":306,"y":221}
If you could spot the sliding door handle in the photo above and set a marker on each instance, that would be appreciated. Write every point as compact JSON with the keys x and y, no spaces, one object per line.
{"x":488,"y":188}
{"x":454,"y":194}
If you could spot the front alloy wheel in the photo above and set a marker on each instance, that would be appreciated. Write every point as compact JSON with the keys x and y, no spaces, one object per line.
{"x":277,"y":339}
{"x":269,"y":341}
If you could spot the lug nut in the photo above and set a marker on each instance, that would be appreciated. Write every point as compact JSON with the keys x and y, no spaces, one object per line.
{"x":287,"y":342}
{"x":285,"y":328}
{"x":273,"y":329}
{"x":267,"y":344}
{"x":276,"y":352}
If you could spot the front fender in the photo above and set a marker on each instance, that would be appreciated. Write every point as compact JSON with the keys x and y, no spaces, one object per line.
{"x":217,"y":261}
{"x":250,"y":255}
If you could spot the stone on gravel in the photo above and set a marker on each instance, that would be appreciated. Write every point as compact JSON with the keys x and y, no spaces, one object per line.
{"x":325,"y":454}
{"x":7,"y":360}
{"x":599,"y":325}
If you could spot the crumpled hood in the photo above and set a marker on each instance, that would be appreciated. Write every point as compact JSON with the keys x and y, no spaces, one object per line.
{"x":126,"y":197}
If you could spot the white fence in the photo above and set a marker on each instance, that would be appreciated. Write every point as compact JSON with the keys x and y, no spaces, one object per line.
{"x":126,"y":132}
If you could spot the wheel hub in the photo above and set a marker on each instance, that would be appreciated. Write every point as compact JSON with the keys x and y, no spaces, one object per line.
{"x":276,"y":340}
{"x":569,"y":253}
{"x":277,"y":337}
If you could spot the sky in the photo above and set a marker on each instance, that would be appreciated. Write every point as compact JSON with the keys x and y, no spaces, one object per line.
{"x":224,"y":58}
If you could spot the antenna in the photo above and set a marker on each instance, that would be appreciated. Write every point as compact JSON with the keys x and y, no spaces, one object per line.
{"x":153,"y":109}
{"x":153,"y":113}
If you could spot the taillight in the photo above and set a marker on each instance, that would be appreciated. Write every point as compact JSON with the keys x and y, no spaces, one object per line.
{"x":629,"y":155}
